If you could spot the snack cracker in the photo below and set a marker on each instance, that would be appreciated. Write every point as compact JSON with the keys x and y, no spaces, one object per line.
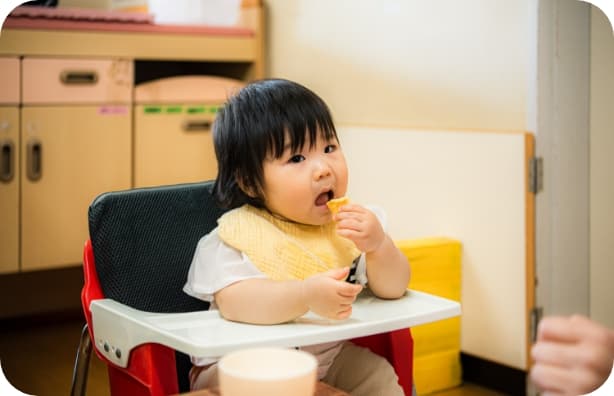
{"x":335,"y":204}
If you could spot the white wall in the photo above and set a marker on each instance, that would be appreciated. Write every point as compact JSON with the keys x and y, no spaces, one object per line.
{"x":441,"y":187}
{"x":601,"y":167}
{"x":416,"y":63}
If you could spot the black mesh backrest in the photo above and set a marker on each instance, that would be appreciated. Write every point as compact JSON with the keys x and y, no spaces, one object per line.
{"x":143,"y":242}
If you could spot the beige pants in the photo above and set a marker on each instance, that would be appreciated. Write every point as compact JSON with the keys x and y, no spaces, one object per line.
{"x":356,"y":370}
{"x":360,"y":372}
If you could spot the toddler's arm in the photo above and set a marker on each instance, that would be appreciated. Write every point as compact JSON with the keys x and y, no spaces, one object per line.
{"x":387,"y":267}
{"x":265,"y":301}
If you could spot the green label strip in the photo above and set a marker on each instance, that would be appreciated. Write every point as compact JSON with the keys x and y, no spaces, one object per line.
{"x":180,"y":109}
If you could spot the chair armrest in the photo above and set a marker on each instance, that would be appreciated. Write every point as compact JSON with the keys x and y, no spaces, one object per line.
{"x":118,"y":328}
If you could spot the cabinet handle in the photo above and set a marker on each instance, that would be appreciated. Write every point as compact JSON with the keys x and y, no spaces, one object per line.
{"x":196,"y":125}
{"x":7,"y":150}
{"x":79,"y":77}
{"x":34,"y":160}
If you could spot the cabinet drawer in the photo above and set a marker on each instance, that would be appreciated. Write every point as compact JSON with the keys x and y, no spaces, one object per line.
{"x":9,"y":80}
{"x":55,"y":80}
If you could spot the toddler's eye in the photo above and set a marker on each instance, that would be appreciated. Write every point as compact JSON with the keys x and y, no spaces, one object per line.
{"x":330,"y":148}
{"x":296,"y":158}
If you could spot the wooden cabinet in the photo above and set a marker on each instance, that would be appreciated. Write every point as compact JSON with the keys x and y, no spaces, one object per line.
{"x":67,"y":121}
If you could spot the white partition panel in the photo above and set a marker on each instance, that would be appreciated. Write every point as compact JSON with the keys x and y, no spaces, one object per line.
{"x":466,"y":185}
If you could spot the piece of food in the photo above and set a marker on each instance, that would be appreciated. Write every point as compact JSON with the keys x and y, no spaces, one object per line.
{"x":335,"y":204}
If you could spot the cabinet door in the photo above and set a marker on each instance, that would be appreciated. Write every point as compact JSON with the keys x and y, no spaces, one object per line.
{"x":70,"y":154}
{"x":173,"y":144}
{"x":9,"y":189}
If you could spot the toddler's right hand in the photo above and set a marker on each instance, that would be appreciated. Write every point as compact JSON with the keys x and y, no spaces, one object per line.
{"x":328,"y":295}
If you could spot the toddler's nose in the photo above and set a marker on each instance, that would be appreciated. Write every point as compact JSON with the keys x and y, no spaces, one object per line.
{"x":322,"y":170}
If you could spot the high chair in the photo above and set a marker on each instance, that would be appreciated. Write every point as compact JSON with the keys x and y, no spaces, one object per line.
{"x":143,"y":326}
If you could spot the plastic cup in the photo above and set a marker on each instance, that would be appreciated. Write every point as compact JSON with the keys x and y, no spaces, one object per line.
{"x":267,"y":372}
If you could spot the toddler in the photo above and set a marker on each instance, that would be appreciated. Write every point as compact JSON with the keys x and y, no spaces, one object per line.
{"x":280,"y":252}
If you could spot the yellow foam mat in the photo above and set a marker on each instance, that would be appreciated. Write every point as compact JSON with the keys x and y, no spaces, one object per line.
{"x":437,"y":371}
{"x":437,"y":336}
{"x":436,"y":269}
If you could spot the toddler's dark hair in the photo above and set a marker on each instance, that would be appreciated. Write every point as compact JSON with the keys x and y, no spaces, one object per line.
{"x":253,"y":125}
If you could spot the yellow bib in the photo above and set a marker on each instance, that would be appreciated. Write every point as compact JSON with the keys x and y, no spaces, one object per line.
{"x":284,"y":250}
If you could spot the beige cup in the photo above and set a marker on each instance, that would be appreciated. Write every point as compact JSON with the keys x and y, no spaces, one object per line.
{"x":267,"y":372}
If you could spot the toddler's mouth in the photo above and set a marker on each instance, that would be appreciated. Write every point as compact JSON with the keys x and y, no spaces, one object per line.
{"x":324,"y":197}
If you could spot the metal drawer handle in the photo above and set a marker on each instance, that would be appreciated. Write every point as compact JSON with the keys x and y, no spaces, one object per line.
{"x":196,"y":125}
{"x":34,"y":160}
{"x":7,"y":151}
{"x":79,"y":77}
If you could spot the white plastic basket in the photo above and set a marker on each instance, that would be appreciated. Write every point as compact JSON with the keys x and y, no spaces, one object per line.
{"x":195,"y":12}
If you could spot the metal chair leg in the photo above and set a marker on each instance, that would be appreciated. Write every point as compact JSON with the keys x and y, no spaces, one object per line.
{"x":82,"y":364}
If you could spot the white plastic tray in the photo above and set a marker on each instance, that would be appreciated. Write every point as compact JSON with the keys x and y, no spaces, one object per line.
{"x":206,"y":334}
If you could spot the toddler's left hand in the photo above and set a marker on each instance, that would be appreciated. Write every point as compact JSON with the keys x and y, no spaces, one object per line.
{"x":361,"y":226}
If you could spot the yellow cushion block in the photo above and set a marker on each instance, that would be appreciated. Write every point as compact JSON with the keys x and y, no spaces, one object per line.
{"x":437,"y":371}
{"x":435,"y":269}
{"x":436,"y":337}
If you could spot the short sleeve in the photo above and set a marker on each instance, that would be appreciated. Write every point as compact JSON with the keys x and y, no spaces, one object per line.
{"x":216,"y":265}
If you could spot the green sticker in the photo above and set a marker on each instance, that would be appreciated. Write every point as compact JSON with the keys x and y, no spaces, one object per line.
{"x":174,"y":109}
{"x":196,"y":110}
{"x":152,"y":110}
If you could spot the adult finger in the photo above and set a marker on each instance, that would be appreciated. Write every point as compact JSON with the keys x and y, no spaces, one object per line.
{"x":549,"y":378}
{"x":554,"y":353}
{"x":556,"y":328}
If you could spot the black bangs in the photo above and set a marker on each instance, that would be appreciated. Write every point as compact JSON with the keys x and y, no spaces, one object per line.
{"x":301,"y":117}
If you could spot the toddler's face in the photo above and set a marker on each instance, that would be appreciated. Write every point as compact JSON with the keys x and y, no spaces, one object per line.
{"x":298,"y":184}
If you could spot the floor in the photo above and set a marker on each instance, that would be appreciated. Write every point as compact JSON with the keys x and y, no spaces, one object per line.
{"x":38,"y":359}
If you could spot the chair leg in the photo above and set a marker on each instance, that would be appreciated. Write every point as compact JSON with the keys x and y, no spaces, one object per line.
{"x":82,"y":364}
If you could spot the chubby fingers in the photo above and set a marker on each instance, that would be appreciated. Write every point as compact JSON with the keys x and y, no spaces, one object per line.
{"x":346,"y":295}
{"x":351,"y":211}
{"x":344,"y":313}
{"x":349,"y":290}
{"x":338,"y":273}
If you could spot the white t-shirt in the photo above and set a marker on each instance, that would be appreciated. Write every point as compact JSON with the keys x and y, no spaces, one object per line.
{"x":216,"y":265}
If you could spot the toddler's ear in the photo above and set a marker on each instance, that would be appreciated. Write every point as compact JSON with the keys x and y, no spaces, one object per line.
{"x":247,"y":190}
